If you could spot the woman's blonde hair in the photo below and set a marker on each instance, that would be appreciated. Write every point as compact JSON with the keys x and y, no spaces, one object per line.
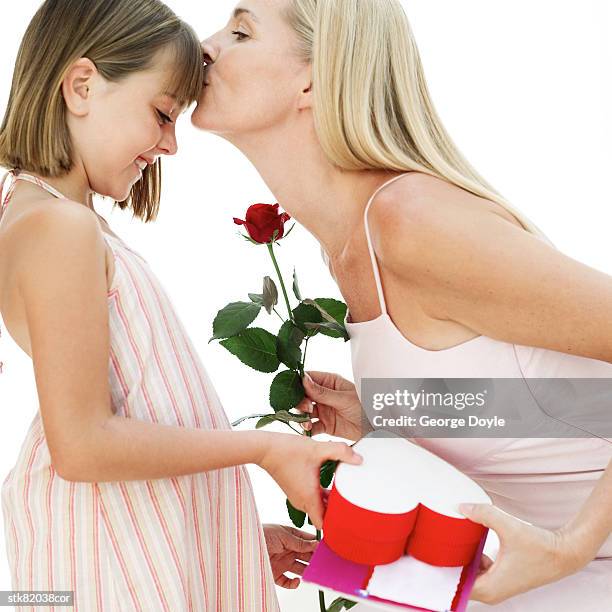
{"x":120,"y":37}
{"x":372,"y":107}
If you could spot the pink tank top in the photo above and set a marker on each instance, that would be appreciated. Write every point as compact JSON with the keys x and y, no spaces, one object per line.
{"x":541,"y":480}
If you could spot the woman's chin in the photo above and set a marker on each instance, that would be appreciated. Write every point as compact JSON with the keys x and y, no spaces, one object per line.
{"x":201,"y":117}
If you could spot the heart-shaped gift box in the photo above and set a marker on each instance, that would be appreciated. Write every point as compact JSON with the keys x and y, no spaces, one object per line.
{"x":392,"y":533}
{"x":402,"y":499}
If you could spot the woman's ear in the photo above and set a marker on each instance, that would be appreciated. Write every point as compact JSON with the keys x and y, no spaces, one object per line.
{"x":305,"y":96}
{"x":76,"y":86}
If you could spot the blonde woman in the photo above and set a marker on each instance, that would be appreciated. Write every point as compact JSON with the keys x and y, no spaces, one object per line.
{"x":442,"y":276}
{"x":129,"y":487}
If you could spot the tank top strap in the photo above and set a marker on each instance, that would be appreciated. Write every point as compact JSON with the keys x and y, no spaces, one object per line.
{"x":381,"y":296}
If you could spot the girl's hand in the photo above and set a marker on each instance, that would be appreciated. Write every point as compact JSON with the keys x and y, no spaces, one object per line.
{"x":289,"y":549}
{"x":295,"y":463}
{"x":337,"y":408}
{"x":528,"y":556}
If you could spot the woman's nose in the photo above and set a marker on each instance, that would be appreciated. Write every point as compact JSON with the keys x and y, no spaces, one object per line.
{"x":210,"y":51}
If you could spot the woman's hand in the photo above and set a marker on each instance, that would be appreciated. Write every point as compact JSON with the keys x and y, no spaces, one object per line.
{"x":337,"y":408}
{"x":289,"y":549}
{"x":295,"y":463}
{"x":528,"y":556}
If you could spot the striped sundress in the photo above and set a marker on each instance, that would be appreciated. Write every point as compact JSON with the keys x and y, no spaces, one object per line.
{"x":178,"y":544}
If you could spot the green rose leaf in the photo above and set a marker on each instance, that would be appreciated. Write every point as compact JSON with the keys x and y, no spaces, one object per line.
{"x":327,"y":472}
{"x":233,"y":319}
{"x":290,"y":417}
{"x":255,"y":347}
{"x":329,"y":329}
{"x":270,"y":294}
{"x":324,"y":314}
{"x":249,"y":239}
{"x":248,"y":417}
{"x":303,"y":314}
{"x":286,"y":391}
{"x":257,"y":298}
{"x":264,"y":421}
{"x":297,"y":516}
{"x":341,"y":604}
{"x":290,"y":230}
{"x":334,"y":308}
{"x":288,"y":345}
{"x":331,"y":311}
{"x":296,"y":289}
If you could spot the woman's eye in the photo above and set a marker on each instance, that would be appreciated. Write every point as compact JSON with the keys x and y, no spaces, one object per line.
{"x":240,"y":35}
{"x":164,"y":118}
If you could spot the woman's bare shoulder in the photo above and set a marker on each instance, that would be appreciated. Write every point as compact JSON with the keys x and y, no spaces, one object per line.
{"x":417,"y":195}
{"x":418,"y":201}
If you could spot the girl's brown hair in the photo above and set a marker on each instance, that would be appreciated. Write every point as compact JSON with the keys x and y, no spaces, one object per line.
{"x":120,"y":37}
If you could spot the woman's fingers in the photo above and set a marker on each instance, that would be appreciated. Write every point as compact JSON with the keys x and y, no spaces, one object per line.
{"x":313,"y":414}
{"x":307,"y":426}
{"x":297,"y":568}
{"x":485,"y":563}
{"x":314,"y":427}
{"x":299,"y":533}
{"x":305,"y":406}
{"x":319,"y":393}
{"x":329,"y":394}
{"x":330,"y":380}
{"x":318,"y":427}
{"x":304,"y":556}
{"x":287,"y":583}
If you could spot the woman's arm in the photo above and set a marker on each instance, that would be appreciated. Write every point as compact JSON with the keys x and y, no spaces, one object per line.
{"x":473,"y":266}
{"x":62,"y":282}
{"x":477,"y":268}
{"x":593,"y":524}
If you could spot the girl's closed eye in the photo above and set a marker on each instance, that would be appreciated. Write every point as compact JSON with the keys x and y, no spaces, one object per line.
{"x":164,"y":118}
{"x":240,"y":35}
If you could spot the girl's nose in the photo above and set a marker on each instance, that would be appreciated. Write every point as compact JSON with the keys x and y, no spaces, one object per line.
{"x":168,"y":145}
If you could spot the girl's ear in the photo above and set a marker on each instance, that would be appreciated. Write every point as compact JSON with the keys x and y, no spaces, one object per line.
{"x":76,"y":86}
{"x":305,"y":96}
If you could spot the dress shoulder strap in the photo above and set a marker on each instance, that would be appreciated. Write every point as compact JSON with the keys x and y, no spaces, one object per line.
{"x":17,"y":175}
{"x":4,"y":199}
{"x":379,"y":289}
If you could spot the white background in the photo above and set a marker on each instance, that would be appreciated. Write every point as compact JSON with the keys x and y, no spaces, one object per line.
{"x":524,"y":89}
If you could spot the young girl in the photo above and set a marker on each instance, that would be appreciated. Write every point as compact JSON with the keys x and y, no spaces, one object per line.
{"x":129,"y":488}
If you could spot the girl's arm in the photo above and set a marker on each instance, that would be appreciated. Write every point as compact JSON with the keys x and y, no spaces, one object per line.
{"x":62,"y":283}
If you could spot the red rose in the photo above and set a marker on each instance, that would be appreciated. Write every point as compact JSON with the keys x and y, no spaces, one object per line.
{"x":262,"y":220}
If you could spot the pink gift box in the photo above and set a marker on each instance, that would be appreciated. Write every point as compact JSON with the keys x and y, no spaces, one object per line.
{"x":342,"y":578}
